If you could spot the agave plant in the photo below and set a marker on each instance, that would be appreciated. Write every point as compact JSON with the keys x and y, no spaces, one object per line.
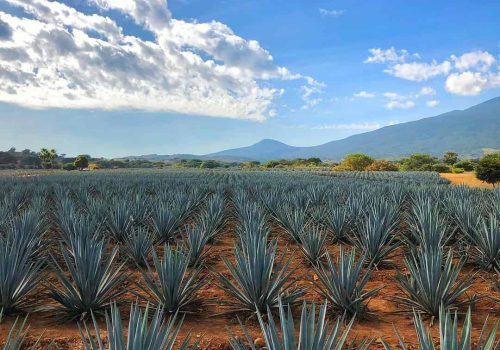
{"x":19,"y":274}
{"x":175,"y":287}
{"x":343,"y":284}
{"x":159,"y":334}
{"x":449,"y":338}
{"x":485,"y":238}
{"x":313,"y":244}
{"x":293,"y":221}
{"x":120,"y":220}
{"x":17,"y":335}
{"x":26,"y":232}
{"x":376,"y":237}
{"x":314,"y":334}
{"x":197,"y":238}
{"x":139,"y":244}
{"x":213,"y":216}
{"x":93,"y":282}
{"x":260,"y":278}
{"x":166,"y":220}
{"x":432,"y":283}
{"x":428,"y":227}
{"x":338,"y":222}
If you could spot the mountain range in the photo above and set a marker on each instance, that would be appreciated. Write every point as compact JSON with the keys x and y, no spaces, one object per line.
{"x":468,"y":132}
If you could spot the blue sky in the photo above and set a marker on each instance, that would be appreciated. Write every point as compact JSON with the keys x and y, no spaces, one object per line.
{"x":114,"y":78}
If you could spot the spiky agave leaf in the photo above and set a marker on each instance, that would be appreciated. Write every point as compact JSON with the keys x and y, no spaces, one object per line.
{"x":338,"y":221}
{"x":428,"y":226}
{"x":293,"y":221}
{"x":159,"y":334}
{"x":432,"y":282}
{"x":174,"y":287}
{"x":17,"y":335}
{"x":166,"y":220}
{"x":449,"y":337}
{"x":260,"y":277}
{"x":139,"y":244}
{"x":19,"y":274}
{"x":197,"y":238}
{"x":485,"y":238}
{"x":314,"y":334}
{"x":343,"y":284}
{"x":376,"y":237}
{"x":120,"y":220}
{"x":212,"y":217}
{"x":93,"y":282}
{"x":313,"y":244}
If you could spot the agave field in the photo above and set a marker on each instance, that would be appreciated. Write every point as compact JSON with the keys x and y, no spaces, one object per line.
{"x":233,"y":259}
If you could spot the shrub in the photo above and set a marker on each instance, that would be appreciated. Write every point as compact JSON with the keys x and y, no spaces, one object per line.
{"x":441,"y":168}
{"x":81,"y":162}
{"x":418,"y":162}
{"x":488,"y":168}
{"x":382,"y":165}
{"x":457,"y":170}
{"x":357,"y":161}
{"x":69,"y":166}
{"x":466,"y":165}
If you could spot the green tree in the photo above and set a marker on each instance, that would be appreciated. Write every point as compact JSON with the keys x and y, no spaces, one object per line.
{"x":356,"y":161}
{"x":69,"y":166}
{"x":81,"y":162}
{"x":450,"y":158}
{"x":488,"y":169}
{"x":48,"y":157}
{"x":466,"y":165}
{"x":210,"y":164}
{"x":418,"y":162}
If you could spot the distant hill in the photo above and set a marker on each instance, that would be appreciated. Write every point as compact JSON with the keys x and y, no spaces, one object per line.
{"x":468,"y":132}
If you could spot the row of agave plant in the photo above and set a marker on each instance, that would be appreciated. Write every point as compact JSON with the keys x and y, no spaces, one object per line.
{"x":262,"y":278}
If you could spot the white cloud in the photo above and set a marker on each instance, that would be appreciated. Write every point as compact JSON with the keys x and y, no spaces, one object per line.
{"x":378,"y":55}
{"x":397,"y":101}
{"x":426,"y":91}
{"x":60,"y":57}
{"x":481,"y":60}
{"x":432,"y":103}
{"x":364,"y":94}
{"x":311,"y":93}
{"x":400,"y":104}
{"x":471,"y":83}
{"x":417,"y":71}
{"x":352,"y":126}
{"x":331,"y":13}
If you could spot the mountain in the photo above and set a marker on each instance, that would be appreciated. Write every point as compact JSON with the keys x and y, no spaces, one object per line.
{"x":467,"y":132}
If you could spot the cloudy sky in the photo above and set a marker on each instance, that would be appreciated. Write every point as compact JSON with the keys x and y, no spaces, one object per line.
{"x":121,"y":77}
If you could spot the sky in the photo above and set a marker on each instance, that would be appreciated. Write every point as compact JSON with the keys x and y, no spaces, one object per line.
{"x":114,"y":78}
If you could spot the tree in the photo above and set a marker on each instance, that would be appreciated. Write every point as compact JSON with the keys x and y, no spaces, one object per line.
{"x":356,"y":161}
{"x":382,"y":165}
{"x":488,"y":169}
{"x":48,"y":157}
{"x":69,"y":166}
{"x":418,"y":162}
{"x":209,"y":164}
{"x":450,"y":158}
{"x":466,"y":165}
{"x":81,"y":162}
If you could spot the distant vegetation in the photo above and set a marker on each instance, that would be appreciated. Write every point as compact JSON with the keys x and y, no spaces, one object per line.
{"x":487,"y":168}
